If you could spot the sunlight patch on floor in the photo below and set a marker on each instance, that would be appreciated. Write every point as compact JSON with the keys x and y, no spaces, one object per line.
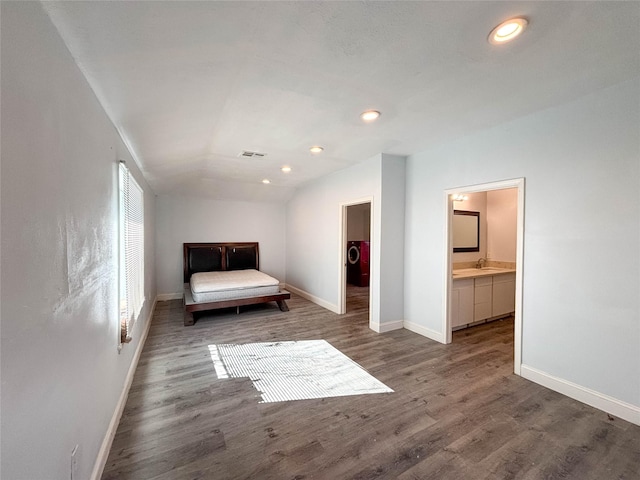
{"x":283,"y":371}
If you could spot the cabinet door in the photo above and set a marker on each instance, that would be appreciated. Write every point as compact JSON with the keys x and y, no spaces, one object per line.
{"x":481,"y":311}
{"x":482,"y":298}
{"x":462,"y":302}
{"x":504,"y":294}
{"x":455,"y":308}
{"x":466,"y":303}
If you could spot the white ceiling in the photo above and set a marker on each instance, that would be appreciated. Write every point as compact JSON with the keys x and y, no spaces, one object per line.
{"x":192,"y":84}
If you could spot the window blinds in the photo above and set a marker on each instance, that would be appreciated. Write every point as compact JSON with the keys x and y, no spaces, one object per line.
{"x":131,"y":252}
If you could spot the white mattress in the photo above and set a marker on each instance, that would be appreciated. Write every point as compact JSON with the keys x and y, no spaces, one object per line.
{"x":217,"y":286}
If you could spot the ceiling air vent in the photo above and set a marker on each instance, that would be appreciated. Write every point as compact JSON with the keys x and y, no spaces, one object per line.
{"x":248,"y":154}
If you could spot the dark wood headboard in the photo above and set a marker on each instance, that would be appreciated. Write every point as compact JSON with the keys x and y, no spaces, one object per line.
{"x":219,"y":257}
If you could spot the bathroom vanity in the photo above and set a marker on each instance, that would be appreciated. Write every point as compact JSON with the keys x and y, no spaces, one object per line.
{"x":482,"y":294}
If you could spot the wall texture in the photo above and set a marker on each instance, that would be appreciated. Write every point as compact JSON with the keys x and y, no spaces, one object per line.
{"x":502,"y":213}
{"x":580,"y":161}
{"x":183,"y":219}
{"x":62,"y":375}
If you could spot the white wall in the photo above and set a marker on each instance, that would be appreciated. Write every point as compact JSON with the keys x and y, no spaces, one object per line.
{"x":313,"y":240}
{"x":392,"y":242}
{"x":582,"y":234}
{"x":62,"y":374}
{"x":502,"y":213}
{"x":183,"y":219}
{"x":314,"y":246}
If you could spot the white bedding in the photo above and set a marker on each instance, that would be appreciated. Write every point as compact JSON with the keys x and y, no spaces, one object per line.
{"x":216,"y":286}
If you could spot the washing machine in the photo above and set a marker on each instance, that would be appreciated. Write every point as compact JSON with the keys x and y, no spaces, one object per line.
{"x":358,"y":263}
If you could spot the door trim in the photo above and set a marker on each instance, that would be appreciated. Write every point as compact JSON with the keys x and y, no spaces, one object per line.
{"x":518,"y":183}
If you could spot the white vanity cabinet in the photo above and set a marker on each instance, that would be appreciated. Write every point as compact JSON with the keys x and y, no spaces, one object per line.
{"x":462,"y":302}
{"x":480,"y":297}
{"x":504,"y":294}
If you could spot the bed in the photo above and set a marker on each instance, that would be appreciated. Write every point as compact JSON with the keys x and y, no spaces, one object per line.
{"x":223,"y":275}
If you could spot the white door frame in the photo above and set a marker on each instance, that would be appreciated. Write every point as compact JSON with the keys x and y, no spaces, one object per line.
{"x":343,"y":253}
{"x":448,"y":280}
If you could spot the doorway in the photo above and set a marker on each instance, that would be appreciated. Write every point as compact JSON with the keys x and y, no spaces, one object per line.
{"x":356,"y":258}
{"x":512,"y":260}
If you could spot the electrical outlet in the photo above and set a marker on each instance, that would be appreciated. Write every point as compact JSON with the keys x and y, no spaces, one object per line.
{"x":75,"y":460}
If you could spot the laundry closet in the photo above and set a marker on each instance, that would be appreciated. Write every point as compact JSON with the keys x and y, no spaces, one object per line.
{"x":358,"y":244}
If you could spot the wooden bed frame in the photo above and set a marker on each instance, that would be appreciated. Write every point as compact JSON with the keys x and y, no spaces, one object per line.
{"x":221,"y":257}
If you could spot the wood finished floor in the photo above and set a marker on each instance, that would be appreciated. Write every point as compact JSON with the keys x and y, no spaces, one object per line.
{"x":457,"y":412}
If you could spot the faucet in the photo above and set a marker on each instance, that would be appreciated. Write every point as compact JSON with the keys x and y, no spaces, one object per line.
{"x":481,"y":262}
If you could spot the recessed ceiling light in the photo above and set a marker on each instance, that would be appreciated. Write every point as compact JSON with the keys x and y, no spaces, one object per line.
{"x":507,"y":30}
{"x":316,"y":149}
{"x":369,"y":115}
{"x":286,"y":169}
{"x":266,"y":181}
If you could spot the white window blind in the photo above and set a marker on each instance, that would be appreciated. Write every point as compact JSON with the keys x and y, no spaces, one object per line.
{"x":131,"y":215}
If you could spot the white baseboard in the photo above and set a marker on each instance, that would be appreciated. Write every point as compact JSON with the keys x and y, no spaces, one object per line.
{"x":387,"y":326}
{"x":313,"y":298}
{"x":163,"y":297}
{"x":103,"y":454}
{"x":626,"y":411}
{"x":424,"y":331}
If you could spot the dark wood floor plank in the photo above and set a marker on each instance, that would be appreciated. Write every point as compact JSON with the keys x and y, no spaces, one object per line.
{"x":457,"y":411}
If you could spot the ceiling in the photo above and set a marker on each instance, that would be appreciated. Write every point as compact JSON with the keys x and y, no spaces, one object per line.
{"x":190,"y":85}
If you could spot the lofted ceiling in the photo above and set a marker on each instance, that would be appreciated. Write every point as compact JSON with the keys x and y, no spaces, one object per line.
{"x":190,"y":85}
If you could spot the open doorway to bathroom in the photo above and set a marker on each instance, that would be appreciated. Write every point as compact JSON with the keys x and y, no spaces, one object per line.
{"x":356,"y":245}
{"x":485,"y":232}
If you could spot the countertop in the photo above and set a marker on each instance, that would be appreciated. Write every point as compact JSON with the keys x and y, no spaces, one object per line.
{"x":480,"y":272}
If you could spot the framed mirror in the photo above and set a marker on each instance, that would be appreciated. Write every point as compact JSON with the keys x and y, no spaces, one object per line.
{"x":466,"y":231}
